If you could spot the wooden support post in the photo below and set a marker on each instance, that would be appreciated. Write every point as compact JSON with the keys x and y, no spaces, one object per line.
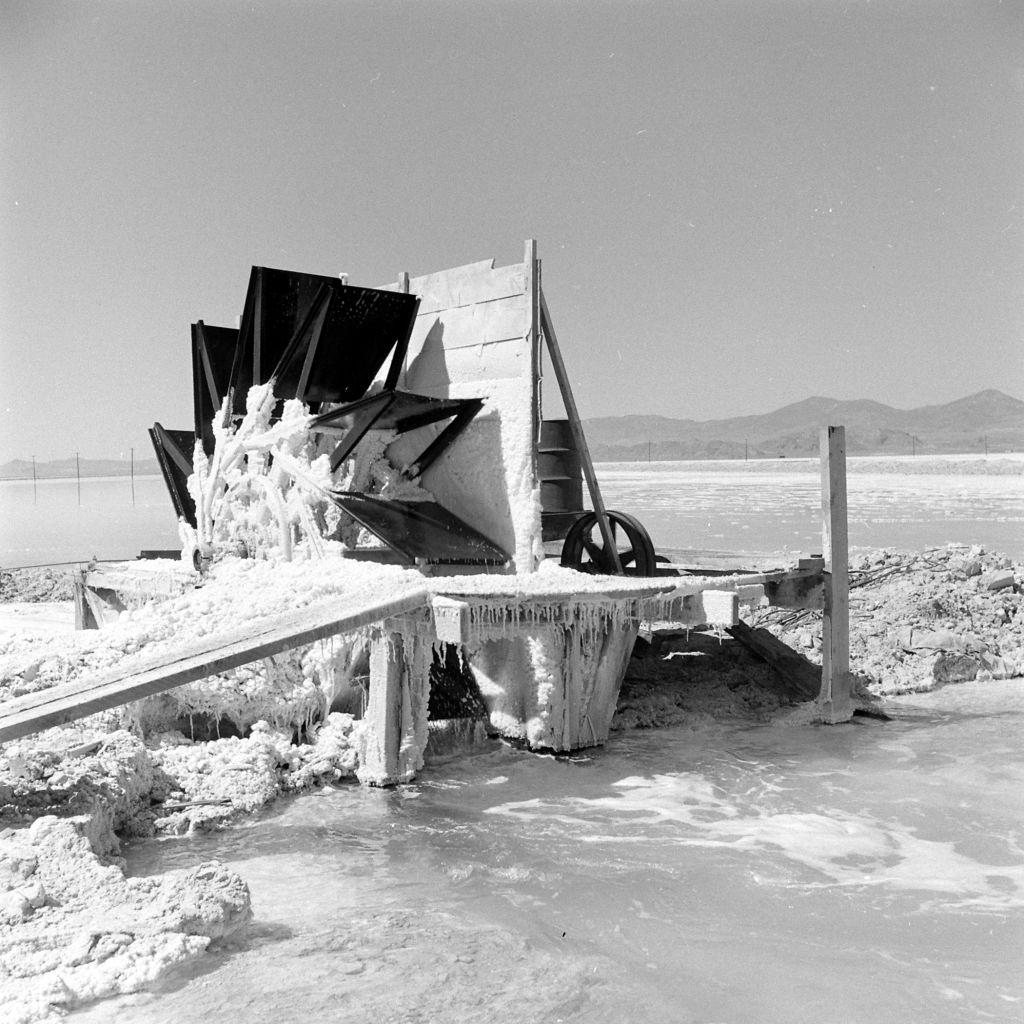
{"x":395,"y":729}
{"x":834,"y":700}
{"x":577,"y":434}
{"x":84,"y":618}
{"x":533,"y":319}
{"x":383,"y":717}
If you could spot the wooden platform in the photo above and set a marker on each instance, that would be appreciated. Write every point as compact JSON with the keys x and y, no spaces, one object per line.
{"x":218,"y":652}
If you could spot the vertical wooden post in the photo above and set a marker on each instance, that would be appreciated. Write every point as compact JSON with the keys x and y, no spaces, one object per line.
{"x":78,"y":478}
{"x":383,"y":712}
{"x":834,"y":699}
{"x":576,"y":427}
{"x":84,"y":616}
{"x":533,"y":316}
{"x":133,"y":474}
{"x":395,"y":730}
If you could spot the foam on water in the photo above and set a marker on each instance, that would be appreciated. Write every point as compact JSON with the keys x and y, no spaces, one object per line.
{"x":838,"y":847}
{"x":747,"y":875}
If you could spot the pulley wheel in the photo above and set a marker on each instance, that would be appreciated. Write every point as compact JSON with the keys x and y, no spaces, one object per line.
{"x":584,"y":548}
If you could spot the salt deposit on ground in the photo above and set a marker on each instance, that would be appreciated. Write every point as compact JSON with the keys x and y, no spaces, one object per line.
{"x":917,"y":621}
{"x":35,"y":617}
{"x":42,"y":584}
{"x":75,"y":929}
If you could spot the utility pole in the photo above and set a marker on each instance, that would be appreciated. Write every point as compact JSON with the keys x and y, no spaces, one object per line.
{"x":133,"y":475}
{"x":913,"y":444}
{"x":78,"y":478}
{"x":744,"y":449}
{"x":648,"y":450}
{"x":986,"y":446}
{"x":35,"y":493}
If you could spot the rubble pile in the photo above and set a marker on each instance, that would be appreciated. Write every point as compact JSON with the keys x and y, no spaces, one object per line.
{"x":165,"y":783}
{"x":921,"y":620}
{"x":47,"y":583}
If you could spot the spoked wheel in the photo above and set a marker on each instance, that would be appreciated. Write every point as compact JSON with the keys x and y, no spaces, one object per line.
{"x":584,"y":547}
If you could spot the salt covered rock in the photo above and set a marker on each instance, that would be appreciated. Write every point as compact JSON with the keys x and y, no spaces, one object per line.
{"x":99,"y":933}
{"x":998,"y":579}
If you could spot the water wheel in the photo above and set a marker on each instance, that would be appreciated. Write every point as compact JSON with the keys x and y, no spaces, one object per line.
{"x":584,"y":548}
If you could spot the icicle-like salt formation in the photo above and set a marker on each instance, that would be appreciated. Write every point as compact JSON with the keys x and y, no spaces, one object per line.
{"x":264,"y":493}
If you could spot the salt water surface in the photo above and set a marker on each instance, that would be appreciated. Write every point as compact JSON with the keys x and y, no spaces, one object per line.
{"x":769,"y":506}
{"x":54,"y":521}
{"x":774,"y":507}
{"x":737,"y":875}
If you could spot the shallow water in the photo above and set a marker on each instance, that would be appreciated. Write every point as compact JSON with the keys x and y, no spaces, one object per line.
{"x":860,"y":873}
{"x":766,"y":506}
{"x":779,"y":510}
{"x":55,"y":522}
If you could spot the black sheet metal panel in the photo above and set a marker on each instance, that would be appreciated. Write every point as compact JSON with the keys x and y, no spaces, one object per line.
{"x":401,"y":411}
{"x":361,"y":326}
{"x":213,"y":352}
{"x":174,"y":453}
{"x":555,"y":525}
{"x":420,"y":529}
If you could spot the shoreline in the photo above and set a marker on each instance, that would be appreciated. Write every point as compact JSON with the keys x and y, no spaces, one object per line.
{"x":68,"y":797}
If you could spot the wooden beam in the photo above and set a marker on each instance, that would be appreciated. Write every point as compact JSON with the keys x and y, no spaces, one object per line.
{"x":218,"y":653}
{"x":577,"y":433}
{"x":800,"y":678}
{"x":834,"y":698}
{"x":84,"y":618}
{"x":533,"y":319}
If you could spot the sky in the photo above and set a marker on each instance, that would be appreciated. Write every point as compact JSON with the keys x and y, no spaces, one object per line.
{"x":738,"y":204}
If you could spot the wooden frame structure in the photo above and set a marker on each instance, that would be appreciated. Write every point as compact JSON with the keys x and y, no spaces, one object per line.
{"x":480,"y":333}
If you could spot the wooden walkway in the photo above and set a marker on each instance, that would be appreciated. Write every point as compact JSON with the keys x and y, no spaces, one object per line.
{"x":218,"y":652}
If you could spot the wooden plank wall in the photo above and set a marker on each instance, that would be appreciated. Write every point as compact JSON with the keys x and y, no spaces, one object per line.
{"x":475,"y":336}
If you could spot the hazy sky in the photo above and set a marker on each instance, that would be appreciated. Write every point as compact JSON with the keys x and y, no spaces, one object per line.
{"x":738,"y":204}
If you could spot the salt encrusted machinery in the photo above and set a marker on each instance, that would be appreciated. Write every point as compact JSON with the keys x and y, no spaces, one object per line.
{"x":322,"y":342}
{"x":309,"y":442}
{"x":477,"y":333}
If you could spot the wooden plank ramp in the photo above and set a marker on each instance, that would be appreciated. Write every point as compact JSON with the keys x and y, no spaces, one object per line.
{"x":219,"y":652}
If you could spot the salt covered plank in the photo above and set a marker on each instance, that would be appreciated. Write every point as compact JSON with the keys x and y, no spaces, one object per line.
{"x":451,"y":620}
{"x":800,"y":678}
{"x":217,"y":653}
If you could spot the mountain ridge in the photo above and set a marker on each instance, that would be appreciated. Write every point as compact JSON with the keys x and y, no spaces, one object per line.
{"x":987,"y":420}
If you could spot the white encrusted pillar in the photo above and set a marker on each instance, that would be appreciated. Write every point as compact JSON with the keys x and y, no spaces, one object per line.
{"x":394,"y":730}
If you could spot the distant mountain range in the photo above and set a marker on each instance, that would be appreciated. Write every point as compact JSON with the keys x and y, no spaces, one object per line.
{"x":989,"y":420}
{"x":64,"y":469}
